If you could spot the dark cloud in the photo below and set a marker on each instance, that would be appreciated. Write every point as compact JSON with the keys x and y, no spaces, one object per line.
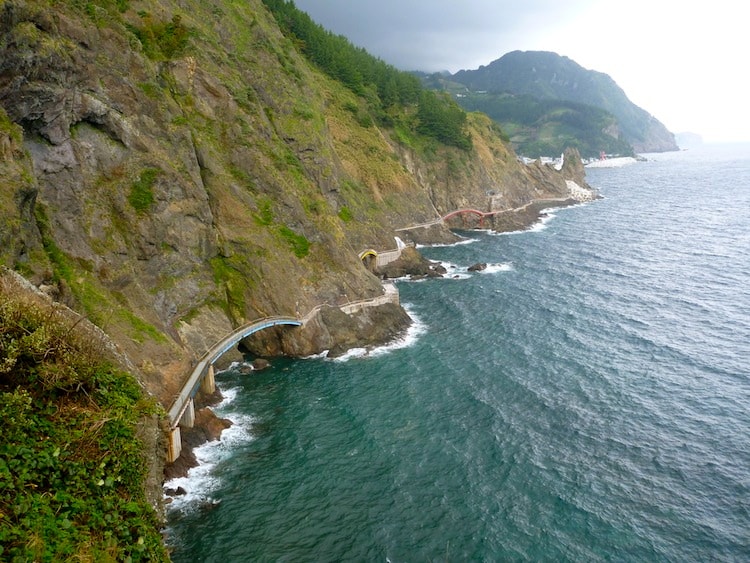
{"x":440,"y":34}
{"x":669,"y":56}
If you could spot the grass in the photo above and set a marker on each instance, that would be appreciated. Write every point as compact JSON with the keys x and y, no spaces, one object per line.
{"x":141,"y":196}
{"x":72,"y":468}
{"x":345,"y":214}
{"x":229,"y":275}
{"x":298,"y":243}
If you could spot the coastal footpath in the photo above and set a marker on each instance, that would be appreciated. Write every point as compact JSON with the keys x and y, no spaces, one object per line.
{"x":174,"y":171}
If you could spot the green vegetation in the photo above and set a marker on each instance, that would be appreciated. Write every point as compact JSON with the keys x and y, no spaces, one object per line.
{"x":228,"y":274}
{"x":9,"y":128}
{"x":298,"y":243}
{"x":548,"y":127}
{"x":162,"y":40}
{"x":72,"y":468}
{"x":387,"y":90}
{"x":548,"y":76}
{"x":141,"y":329}
{"x":265,"y":215}
{"x":345,"y":214}
{"x":442,"y":120}
{"x":150,"y":89}
{"x":91,"y":298}
{"x":141,"y":195}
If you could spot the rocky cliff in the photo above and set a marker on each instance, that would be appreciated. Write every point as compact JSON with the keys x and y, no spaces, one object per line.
{"x":174,"y":168}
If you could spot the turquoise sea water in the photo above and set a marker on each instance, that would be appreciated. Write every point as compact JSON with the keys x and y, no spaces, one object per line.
{"x":586,"y":398}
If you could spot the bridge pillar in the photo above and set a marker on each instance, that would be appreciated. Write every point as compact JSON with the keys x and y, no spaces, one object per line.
{"x":188,"y":417}
{"x":175,"y":445}
{"x":208,"y":383}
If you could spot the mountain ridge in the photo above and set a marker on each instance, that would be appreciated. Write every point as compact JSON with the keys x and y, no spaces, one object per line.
{"x":545,"y":75}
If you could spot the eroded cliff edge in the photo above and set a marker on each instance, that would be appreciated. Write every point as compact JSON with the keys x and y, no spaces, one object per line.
{"x":171,"y":196}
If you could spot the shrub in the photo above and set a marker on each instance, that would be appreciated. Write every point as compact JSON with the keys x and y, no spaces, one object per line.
{"x":162,"y":40}
{"x":298,"y":243}
{"x":72,"y":469}
{"x":141,"y":195}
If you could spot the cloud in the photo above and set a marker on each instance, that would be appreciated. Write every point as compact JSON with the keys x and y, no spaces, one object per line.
{"x":682,"y":62}
{"x":439,"y":34}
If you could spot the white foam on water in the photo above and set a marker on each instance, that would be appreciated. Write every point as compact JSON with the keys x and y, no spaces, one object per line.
{"x":201,"y":481}
{"x":228,"y":396}
{"x":232,"y":367}
{"x":350,"y":354}
{"x":546,"y":215}
{"x":454,"y":271}
{"x":618,"y":162}
{"x":409,"y":338}
{"x":496,"y":268}
{"x":320,"y":356}
{"x":447,"y":244}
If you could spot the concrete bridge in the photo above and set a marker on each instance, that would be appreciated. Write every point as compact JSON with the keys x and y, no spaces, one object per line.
{"x":182,"y":411}
{"x":382,"y":257}
{"x":444,"y":218}
{"x":480,"y":214}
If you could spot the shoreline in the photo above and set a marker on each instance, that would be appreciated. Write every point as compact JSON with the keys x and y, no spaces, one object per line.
{"x":209,"y":426}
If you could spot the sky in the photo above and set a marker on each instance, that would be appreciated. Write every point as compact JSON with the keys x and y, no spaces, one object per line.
{"x":686,"y":63}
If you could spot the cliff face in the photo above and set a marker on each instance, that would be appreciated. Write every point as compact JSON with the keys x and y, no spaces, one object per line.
{"x":171,"y":188}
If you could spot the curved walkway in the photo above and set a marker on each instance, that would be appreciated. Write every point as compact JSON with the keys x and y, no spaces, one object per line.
{"x":201,"y":369}
{"x":190,"y":388}
{"x":482,"y":214}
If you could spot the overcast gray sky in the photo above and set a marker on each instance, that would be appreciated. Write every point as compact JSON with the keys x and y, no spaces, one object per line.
{"x":684,"y":62}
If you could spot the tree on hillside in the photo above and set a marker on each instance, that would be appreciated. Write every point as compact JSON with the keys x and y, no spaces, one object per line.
{"x":441,"y":118}
{"x":382,"y":85}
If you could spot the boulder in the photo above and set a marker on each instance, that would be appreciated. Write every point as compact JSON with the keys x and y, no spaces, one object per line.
{"x":260,"y":363}
{"x":178,"y":492}
{"x":411,"y":263}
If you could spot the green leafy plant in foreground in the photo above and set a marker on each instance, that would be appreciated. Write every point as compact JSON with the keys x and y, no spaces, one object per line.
{"x":72,"y":468}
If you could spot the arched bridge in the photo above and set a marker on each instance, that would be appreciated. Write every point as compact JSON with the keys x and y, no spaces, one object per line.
{"x":481,"y":214}
{"x":444,"y":218}
{"x":182,"y":410}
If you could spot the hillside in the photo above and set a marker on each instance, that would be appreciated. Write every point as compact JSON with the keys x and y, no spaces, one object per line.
{"x":548,"y":76}
{"x":171,"y":170}
{"x":78,"y":439}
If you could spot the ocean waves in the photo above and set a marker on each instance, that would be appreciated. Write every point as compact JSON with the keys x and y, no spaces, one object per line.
{"x":586,"y":397}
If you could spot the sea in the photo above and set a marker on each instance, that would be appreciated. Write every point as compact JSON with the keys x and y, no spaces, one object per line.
{"x":586,"y":397}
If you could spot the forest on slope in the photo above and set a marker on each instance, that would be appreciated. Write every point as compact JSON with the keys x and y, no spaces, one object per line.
{"x":546,"y":102}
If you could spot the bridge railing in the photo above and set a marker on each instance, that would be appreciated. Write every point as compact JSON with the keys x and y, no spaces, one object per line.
{"x":387,"y":256}
{"x":390,"y":296}
{"x":190,"y":388}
